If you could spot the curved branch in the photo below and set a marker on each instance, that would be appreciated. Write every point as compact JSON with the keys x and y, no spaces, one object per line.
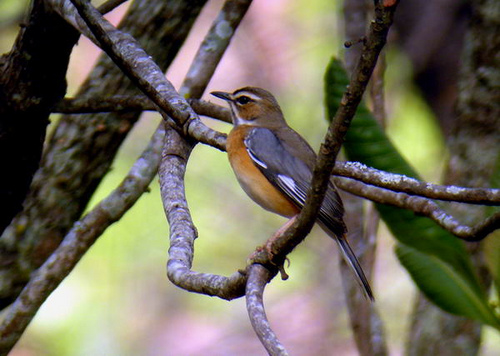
{"x":174,"y":160}
{"x":422,"y":206}
{"x":79,"y":239}
{"x":182,"y":230}
{"x":258,"y":277}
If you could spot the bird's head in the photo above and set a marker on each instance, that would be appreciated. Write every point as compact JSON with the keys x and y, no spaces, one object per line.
{"x":253,"y":106}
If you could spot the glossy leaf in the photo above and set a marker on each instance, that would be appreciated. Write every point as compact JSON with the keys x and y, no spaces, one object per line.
{"x":442,"y":284}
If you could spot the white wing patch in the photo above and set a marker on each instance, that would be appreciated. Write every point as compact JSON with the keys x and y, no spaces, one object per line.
{"x":256,"y":160}
{"x":287,"y":182}
{"x":290,"y":185}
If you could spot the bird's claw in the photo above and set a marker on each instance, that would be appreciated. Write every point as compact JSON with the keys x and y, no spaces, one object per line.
{"x":257,"y":257}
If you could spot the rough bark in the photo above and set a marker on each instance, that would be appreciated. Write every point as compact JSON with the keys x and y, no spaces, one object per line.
{"x":431,"y":33}
{"x":32,"y":81}
{"x":474,"y":148}
{"x":81,"y":149}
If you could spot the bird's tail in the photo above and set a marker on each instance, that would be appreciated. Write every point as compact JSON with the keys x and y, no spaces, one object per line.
{"x":355,"y":266}
{"x":349,"y":256}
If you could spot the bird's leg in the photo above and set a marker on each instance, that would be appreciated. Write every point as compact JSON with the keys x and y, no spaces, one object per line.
{"x":277,"y":235}
{"x":270,"y":242}
{"x":268,"y":247}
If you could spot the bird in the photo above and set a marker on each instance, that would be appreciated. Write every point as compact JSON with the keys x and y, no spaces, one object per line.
{"x":274,"y":166}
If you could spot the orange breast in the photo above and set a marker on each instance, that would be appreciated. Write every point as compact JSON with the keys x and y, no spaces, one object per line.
{"x":253,"y":182}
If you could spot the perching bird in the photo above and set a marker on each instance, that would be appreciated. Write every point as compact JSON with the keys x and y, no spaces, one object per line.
{"x":274,"y":166}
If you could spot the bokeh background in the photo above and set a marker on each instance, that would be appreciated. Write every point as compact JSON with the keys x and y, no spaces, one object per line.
{"x":118,"y":300}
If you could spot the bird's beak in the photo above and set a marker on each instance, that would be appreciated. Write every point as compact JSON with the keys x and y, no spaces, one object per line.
{"x":222,"y":95}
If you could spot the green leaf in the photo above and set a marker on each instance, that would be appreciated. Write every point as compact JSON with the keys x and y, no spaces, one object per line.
{"x":445,"y":286}
{"x":491,"y":248}
{"x":366,"y":142}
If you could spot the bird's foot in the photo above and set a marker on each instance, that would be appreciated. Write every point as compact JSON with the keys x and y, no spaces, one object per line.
{"x":264,"y":255}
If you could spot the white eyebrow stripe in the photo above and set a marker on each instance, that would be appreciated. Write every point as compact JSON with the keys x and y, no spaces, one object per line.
{"x":250,"y":95}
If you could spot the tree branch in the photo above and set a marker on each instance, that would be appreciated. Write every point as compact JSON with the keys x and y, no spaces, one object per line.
{"x":116,"y":103}
{"x":422,"y":206}
{"x":77,"y":242}
{"x":412,"y":186}
{"x":82,"y":148}
{"x":258,"y":277}
{"x":110,"y":5}
{"x":26,"y":307}
{"x":128,"y":55}
{"x":354,"y":170}
{"x":143,"y":71}
{"x":182,"y":230}
{"x":173,"y":165}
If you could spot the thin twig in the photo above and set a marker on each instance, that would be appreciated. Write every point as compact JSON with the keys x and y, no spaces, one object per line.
{"x":206,"y":108}
{"x":110,"y":5}
{"x":134,"y":103}
{"x":258,"y":277}
{"x":125,"y":103}
{"x":404,"y":184}
{"x":422,"y":206}
{"x":78,"y":240}
{"x":114,"y":103}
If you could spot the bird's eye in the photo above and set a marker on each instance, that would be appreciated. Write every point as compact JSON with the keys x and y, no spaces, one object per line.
{"x":242,"y":100}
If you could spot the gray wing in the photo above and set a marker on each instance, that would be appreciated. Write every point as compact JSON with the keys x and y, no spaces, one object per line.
{"x":292,"y":176}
